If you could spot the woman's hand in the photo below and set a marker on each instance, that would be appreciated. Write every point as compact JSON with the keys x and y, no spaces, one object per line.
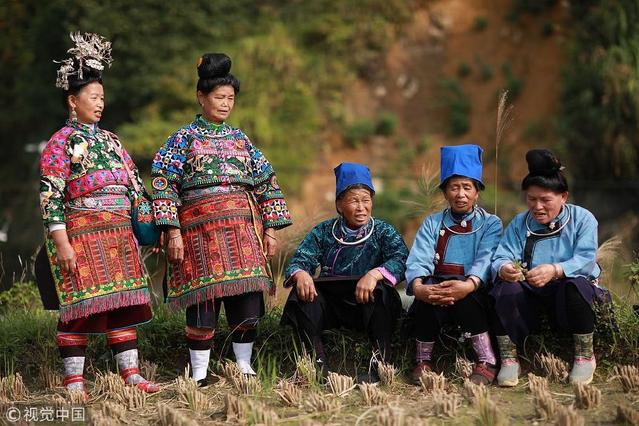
{"x":509,"y":272}
{"x":366,"y":286}
{"x":541,"y":275}
{"x":305,"y":286}
{"x":448,"y":292}
{"x":66,"y":257}
{"x":422,"y":291}
{"x":270,"y":242}
{"x":175,"y":247}
{"x":161,"y":242}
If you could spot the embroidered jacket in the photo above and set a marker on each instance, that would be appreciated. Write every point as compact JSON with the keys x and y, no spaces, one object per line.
{"x":384,"y":250}
{"x":439,"y":251}
{"x":77,"y":160}
{"x":201,"y":155}
{"x":573,"y":246}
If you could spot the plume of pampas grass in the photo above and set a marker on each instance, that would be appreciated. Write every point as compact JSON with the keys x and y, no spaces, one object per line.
{"x":503,"y":120}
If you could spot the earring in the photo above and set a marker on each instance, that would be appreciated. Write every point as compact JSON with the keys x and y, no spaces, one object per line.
{"x":74,"y":115}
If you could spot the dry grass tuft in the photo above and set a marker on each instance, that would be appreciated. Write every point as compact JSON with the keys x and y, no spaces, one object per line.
{"x":246,"y":385}
{"x":113,"y":410}
{"x":586,"y":396}
{"x":131,"y":397}
{"x":168,"y":416}
{"x":190,"y":395}
{"x":107,"y":384}
{"x":474,"y":392}
{"x":432,"y":382}
{"x":321,"y":402}
{"x":567,"y":416}
{"x":463,"y":367}
{"x":259,"y":414}
{"x":234,"y":408}
{"x":489,"y":412}
{"x":555,"y":369}
{"x":445,"y":404}
{"x":627,"y":415}
{"x":387,"y":373}
{"x":12,"y":388}
{"x":340,"y":385}
{"x":75,"y":397}
{"x":628,"y":376}
{"x":537,"y":384}
{"x":372,"y":394}
{"x":50,"y":377}
{"x":230,"y":370}
{"x":546,"y":408}
{"x":149,"y":370}
{"x":289,"y":393}
{"x":389,"y":416}
{"x":97,"y":418}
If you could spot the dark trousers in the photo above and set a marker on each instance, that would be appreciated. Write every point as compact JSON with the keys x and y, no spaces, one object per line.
{"x":336,"y":307}
{"x":243,"y":312}
{"x":469,"y":314}
{"x":568,"y":302}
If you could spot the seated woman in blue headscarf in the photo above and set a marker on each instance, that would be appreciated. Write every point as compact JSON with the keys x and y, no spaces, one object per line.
{"x":546,"y":260}
{"x":355,"y":245}
{"x":448,"y":269}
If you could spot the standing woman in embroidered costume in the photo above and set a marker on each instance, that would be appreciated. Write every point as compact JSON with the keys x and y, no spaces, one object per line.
{"x":85,"y":198}
{"x":448,"y":269}
{"x":218,"y":197}
{"x":546,"y":260}
{"x":368,"y":250}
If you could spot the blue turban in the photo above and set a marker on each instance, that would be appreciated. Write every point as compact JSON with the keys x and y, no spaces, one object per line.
{"x":461,"y":160}
{"x":349,"y":174}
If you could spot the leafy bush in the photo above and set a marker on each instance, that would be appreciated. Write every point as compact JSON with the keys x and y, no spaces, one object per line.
{"x":457,"y":106}
{"x":480,"y":23}
{"x":358,"y":132}
{"x":463,"y":70}
{"x":386,"y":124}
{"x":21,"y":296}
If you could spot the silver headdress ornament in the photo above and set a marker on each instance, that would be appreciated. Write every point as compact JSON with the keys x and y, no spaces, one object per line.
{"x":91,"y":50}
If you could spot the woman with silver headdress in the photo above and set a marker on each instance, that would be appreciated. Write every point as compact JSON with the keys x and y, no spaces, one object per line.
{"x":448,"y":269}
{"x":218,"y":198}
{"x":547,"y":261}
{"x":360,"y":260}
{"x":87,"y":183}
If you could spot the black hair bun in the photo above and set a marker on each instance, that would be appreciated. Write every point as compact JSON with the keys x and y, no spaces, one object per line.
{"x":213,"y":65}
{"x":542,"y":162}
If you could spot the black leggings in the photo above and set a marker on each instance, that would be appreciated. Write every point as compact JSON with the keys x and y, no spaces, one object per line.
{"x":243,"y":312}
{"x":581,"y":317}
{"x":428,"y":319}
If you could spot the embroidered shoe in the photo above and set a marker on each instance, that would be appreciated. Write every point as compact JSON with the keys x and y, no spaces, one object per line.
{"x":420,"y":368}
{"x":483,"y":374}
{"x":75,"y":383}
{"x":129,"y":377}
{"x":508,"y":373}
{"x":583,"y":370}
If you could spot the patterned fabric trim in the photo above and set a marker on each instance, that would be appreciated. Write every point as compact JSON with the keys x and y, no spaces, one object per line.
{"x":92,"y":181}
{"x":120,"y":336}
{"x":390,"y":278}
{"x":70,"y":339}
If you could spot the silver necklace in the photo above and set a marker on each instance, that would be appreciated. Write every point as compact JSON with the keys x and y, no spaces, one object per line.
{"x":551,"y":225}
{"x":353,"y":243}
{"x":463,"y":223}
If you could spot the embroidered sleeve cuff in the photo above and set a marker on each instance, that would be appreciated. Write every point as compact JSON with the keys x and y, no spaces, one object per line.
{"x":165,"y":213}
{"x":275,"y":214}
{"x":388,"y":277}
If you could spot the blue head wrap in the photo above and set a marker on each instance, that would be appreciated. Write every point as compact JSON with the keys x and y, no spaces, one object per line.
{"x":348,"y":174}
{"x":461,"y":160}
